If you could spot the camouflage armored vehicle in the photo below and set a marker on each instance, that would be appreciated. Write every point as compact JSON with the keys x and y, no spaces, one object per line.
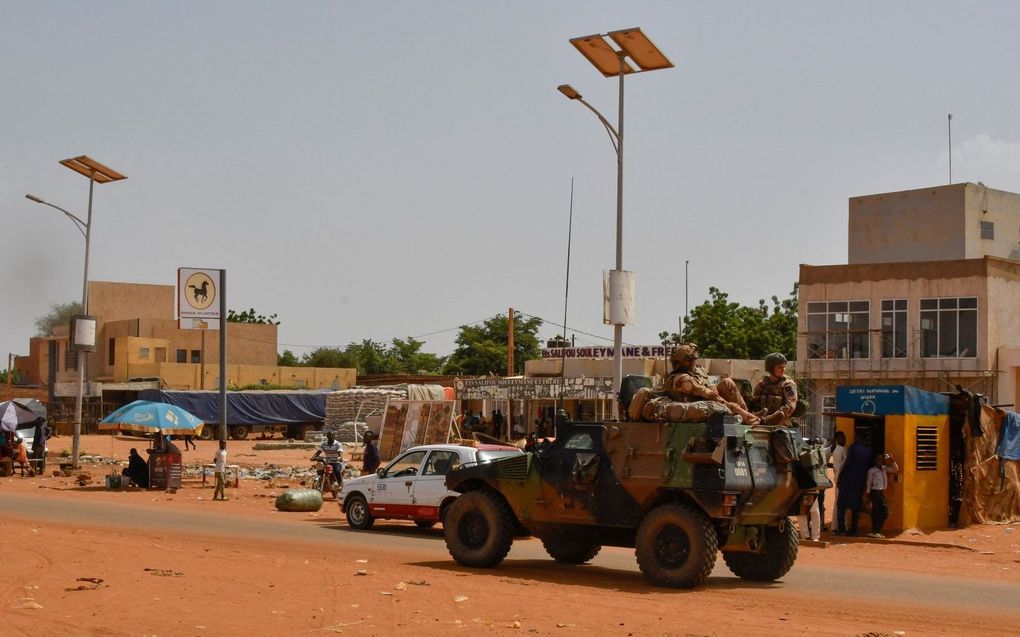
{"x":676,"y":492}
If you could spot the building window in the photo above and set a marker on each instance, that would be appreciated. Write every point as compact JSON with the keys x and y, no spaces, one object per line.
{"x":927,"y":441}
{"x":987,"y":229}
{"x":112,"y":357}
{"x":949,"y":328}
{"x":182,"y":356}
{"x":894,"y":328}
{"x":838,"y":329}
{"x":143,"y":353}
{"x":196,"y":356}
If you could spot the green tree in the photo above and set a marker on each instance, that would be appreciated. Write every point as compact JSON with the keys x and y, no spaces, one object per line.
{"x":407,"y":358}
{"x":724,"y":329}
{"x":60,"y":314}
{"x":250,"y":316}
{"x":288,"y":359}
{"x":482,"y":349}
{"x":328,"y":357}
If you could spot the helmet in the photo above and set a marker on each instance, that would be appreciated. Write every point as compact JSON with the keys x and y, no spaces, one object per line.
{"x":685,"y":351}
{"x":773,"y":359}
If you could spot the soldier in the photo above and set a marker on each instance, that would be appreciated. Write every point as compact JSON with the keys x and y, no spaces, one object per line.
{"x":689,"y":383}
{"x":776,"y":394}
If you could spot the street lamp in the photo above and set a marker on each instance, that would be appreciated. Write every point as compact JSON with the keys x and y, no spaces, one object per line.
{"x":612,"y":61}
{"x":96,"y":172}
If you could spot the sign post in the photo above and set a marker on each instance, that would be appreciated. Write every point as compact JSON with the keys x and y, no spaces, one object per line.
{"x":198,"y":290}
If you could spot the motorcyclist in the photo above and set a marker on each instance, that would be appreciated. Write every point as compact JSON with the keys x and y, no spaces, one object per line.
{"x":332,"y":450}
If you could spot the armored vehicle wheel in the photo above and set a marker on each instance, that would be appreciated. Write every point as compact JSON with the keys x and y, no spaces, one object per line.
{"x":357,"y":513}
{"x":424,"y":524}
{"x":479,"y":529}
{"x":568,"y":551}
{"x":779,"y":552}
{"x":676,"y":546}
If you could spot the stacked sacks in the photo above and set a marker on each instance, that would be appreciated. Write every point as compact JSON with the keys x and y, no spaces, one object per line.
{"x":349,"y":405}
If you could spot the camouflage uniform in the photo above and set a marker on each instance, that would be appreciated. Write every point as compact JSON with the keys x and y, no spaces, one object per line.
{"x":776,"y":396}
{"x":688,"y":383}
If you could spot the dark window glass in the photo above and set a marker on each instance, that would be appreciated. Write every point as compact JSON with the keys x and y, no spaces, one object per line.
{"x":112,"y":359}
{"x":182,"y":356}
{"x":887,"y":305}
{"x":838,"y":306}
{"x":859,"y":306}
{"x":929,"y":304}
{"x":196,"y":356}
{"x":894,"y":329}
{"x":968,"y":333}
{"x":968,"y":303}
{"x":947,"y":304}
{"x":815,"y":307}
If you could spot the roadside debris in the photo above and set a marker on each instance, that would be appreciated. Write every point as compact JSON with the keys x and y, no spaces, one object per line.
{"x":94,"y":581}
{"x":164,"y":572}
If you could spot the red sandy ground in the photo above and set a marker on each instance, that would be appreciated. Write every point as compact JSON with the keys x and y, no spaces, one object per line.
{"x":209,"y":585}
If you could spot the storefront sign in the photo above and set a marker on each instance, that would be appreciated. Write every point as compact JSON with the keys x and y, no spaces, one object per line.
{"x":629,"y":351}
{"x":535,"y":388}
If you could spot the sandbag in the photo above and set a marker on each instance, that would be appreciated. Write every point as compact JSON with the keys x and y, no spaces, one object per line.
{"x":637,"y":403}
{"x":665,"y":409}
{"x":299,"y":500}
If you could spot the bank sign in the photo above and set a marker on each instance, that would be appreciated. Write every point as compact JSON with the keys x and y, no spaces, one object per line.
{"x":198,"y":294}
{"x":630,"y":351}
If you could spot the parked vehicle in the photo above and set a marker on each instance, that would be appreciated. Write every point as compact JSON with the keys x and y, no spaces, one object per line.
{"x":412,"y":486}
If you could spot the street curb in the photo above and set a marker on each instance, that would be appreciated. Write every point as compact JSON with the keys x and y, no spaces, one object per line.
{"x":845,"y":539}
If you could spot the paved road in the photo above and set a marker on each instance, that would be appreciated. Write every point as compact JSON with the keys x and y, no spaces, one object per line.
{"x":613,"y":569}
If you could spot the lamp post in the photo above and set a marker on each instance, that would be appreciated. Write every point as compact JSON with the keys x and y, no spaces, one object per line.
{"x":96,"y":172}
{"x":612,"y":61}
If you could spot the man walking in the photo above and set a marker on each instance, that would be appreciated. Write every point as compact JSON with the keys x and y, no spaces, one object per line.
{"x":220,"y":469}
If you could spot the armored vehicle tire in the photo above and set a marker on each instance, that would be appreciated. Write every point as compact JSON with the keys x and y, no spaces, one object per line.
{"x":776,"y":559}
{"x":567,"y":551}
{"x":479,"y":529}
{"x":424,"y":524}
{"x":676,"y":546}
{"x":358,"y":515}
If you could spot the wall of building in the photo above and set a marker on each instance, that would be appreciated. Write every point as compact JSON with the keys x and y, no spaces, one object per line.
{"x":941,"y":223}
{"x":913,"y":225}
{"x":138,"y":357}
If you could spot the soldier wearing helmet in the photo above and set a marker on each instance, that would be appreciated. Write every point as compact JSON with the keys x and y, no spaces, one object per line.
{"x":776,"y":394}
{"x":689,"y":383}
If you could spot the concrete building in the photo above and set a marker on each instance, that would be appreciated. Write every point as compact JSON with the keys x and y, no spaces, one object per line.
{"x":928,"y":298}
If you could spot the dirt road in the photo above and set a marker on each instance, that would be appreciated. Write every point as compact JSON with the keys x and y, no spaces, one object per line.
{"x":183,"y":565}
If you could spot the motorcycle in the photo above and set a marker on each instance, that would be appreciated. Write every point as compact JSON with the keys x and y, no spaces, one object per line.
{"x":326,"y":479}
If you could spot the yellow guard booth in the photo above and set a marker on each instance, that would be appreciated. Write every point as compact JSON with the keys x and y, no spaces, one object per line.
{"x":912,"y":425}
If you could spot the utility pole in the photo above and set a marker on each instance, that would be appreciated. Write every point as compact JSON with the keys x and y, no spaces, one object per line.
{"x":510,"y":344}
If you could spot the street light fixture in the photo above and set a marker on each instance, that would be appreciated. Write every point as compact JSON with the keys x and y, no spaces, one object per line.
{"x":613,"y":61}
{"x":96,"y":172}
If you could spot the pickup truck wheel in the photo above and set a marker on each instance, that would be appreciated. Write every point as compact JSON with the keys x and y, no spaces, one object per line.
{"x":779,"y":552}
{"x":676,"y":546}
{"x":424,"y":524}
{"x":239,"y":432}
{"x":566,"y":551}
{"x":479,"y":529}
{"x":358,"y":516}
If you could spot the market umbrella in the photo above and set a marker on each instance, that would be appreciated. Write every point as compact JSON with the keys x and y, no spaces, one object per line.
{"x":146,"y":416}
{"x":14,"y":415}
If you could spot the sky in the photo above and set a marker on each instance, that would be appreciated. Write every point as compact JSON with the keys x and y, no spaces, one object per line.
{"x":374,"y":170}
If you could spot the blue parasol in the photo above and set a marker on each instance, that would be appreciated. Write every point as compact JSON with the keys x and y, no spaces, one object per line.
{"x":146,"y":416}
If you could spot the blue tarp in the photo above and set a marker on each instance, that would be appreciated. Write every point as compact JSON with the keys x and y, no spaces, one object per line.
{"x":1009,"y":443}
{"x":247,"y":407}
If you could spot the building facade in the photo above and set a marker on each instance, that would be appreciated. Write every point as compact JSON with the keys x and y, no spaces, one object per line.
{"x":927,"y":299}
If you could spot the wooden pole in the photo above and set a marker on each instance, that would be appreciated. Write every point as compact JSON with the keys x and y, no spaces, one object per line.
{"x":510,"y":344}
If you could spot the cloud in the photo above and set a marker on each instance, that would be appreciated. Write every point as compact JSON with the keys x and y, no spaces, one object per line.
{"x":996,"y":162}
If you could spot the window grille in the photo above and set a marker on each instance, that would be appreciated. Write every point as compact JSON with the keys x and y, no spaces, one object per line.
{"x":987,"y":229}
{"x":927,"y":455}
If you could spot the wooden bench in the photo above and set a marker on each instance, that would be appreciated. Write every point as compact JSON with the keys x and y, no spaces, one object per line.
{"x":230,"y":467}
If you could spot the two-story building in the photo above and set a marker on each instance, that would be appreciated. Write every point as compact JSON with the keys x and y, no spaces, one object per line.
{"x":929,"y":298}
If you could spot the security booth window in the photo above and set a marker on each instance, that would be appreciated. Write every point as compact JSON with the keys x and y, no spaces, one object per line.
{"x":949,"y":327}
{"x":894,"y":328}
{"x":839,"y":329}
